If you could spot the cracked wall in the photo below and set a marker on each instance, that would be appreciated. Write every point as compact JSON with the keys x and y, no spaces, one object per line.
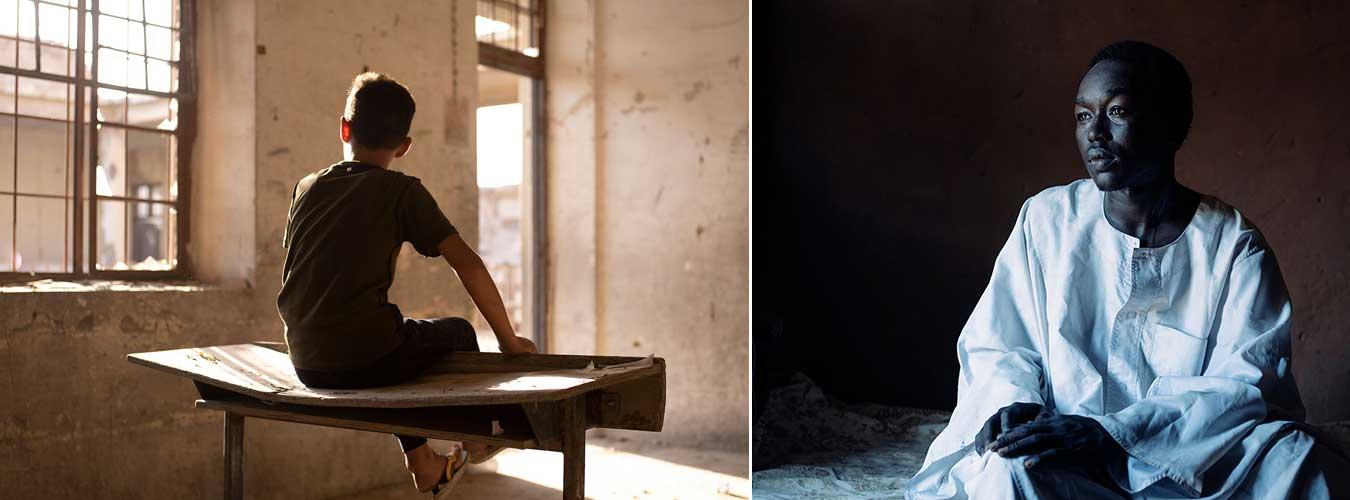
{"x":648,"y":170}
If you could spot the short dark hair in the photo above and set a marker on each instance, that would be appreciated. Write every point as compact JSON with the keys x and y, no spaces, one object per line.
{"x":380,"y":110}
{"x":1171,"y":85}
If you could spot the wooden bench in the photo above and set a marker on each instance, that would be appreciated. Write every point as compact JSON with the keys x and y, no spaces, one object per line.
{"x":525,"y":401}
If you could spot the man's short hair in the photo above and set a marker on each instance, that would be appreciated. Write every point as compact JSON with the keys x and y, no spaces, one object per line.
{"x":1171,"y":86}
{"x":380,"y":111}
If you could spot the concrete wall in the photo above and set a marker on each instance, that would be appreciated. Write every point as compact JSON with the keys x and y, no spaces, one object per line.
{"x":80,"y":421}
{"x":896,"y":152}
{"x":648,"y":143}
{"x":224,"y":169}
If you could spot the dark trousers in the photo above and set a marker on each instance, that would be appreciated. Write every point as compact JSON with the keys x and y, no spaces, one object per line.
{"x":424,"y":342}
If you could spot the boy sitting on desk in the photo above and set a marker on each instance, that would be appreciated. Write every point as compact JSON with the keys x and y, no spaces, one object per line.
{"x":344,"y":231}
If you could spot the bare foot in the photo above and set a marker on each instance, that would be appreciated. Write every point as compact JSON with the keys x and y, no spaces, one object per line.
{"x":475,"y":449}
{"x":426,"y":466}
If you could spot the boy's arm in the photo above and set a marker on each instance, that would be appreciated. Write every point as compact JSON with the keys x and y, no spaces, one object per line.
{"x":469,"y":266}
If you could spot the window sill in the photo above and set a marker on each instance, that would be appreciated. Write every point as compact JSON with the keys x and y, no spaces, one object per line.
{"x":95,"y":286}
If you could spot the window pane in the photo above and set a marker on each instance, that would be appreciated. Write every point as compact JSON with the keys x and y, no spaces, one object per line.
{"x":27,"y":55}
{"x":160,"y":42}
{"x":54,"y":25}
{"x":112,"y":67}
{"x":158,"y":72}
{"x":114,"y":7}
{"x":6,"y":153}
{"x":147,"y":111}
{"x":150,"y":231}
{"x":43,"y":153}
{"x":44,"y":98}
{"x":27,"y":19}
{"x":41,"y":234}
{"x":148,"y":154}
{"x":136,"y":38}
{"x":6,"y":232}
{"x":112,"y":106}
{"x":9,"y":23}
{"x":135,"y":72}
{"x":134,"y":10}
{"x":159,"y":12}
{"x":173,"y":168}
{"x":112,"y":32}
{"x":58,"y":61}
{"x":89,"y":36}
{"x":7,"y":90}
{"x":7,"y":48}
{"x":112,"y":236}
{"x":110,"y":173}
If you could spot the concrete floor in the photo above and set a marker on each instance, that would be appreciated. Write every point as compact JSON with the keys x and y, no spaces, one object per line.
{"x":615,"y":468}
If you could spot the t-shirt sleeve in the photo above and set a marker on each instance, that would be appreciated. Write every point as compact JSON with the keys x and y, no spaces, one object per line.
{"x":421,"y":220}
{"x":290,"y":213}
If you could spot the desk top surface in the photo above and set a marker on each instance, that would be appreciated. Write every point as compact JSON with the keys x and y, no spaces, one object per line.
{"x":462,"y":378}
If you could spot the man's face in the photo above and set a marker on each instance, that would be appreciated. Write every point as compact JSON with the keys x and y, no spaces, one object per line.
{"x":1122,"y":137}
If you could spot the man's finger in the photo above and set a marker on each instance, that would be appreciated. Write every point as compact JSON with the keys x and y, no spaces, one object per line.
{"x":1023,"y":431}
{"x":1006,"y":419}
{"x":1030,"y":445}
{"x":985,"y":437}
{"x":1042,"y":457}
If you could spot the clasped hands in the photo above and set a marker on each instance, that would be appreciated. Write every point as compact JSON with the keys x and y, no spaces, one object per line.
{"x":1039,"y":433}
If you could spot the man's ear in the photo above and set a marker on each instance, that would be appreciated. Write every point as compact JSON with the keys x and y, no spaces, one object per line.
{"x":403,"y":148}
{"x":345,"y":130}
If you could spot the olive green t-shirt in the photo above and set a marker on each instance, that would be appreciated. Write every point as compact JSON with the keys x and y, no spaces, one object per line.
{"x":345,"y":227}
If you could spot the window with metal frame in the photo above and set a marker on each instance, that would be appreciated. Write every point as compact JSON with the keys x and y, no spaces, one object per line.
{"x":94,"y":99}
{"x":514,"y":25}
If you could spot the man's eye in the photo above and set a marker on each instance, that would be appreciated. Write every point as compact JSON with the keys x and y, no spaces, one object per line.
{"x":1081,"y":116}
{"x":1117,"y":111}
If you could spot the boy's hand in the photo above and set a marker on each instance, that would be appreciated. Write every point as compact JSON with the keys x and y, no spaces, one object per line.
{"x":519,"y":345}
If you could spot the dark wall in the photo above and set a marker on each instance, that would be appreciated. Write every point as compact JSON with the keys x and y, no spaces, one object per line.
{"x":895,"y":141}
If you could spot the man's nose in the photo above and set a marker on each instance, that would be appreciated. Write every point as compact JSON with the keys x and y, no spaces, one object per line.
{"x":1100,"y":129}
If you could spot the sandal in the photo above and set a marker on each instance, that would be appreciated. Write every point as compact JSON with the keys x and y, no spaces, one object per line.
{"x":488,"y":453}
{"x":454,"y":469}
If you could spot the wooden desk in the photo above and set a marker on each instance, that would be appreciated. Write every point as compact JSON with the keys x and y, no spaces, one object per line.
{"x":526,"y":401}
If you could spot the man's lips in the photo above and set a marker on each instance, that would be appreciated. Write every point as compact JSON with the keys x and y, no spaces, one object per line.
{"x":1100,"y":155}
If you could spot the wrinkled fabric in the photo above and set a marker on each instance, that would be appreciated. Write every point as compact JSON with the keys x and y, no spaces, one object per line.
{"x":1181,"y":352}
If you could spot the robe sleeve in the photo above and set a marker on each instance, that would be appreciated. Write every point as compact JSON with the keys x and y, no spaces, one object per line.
{"x":1184,"y":425}
{"x":999,"y":347}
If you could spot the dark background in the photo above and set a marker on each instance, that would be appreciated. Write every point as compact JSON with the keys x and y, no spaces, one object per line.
{"x":895,"y":141}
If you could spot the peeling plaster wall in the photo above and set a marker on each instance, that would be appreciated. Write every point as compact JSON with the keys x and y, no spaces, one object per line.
{"x":223,"y":160}
{"x":648,"y":145}
{"x":309,"y":53}
{"x":81,"y":421}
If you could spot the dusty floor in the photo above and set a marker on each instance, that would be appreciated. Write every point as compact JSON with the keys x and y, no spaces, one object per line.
{"x":615,"y":468}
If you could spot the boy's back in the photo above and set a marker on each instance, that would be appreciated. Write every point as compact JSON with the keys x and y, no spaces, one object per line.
{"x":343,"y":234}
{"x":345,"y":228}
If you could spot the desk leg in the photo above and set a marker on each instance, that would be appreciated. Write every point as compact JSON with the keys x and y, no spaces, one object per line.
{"x":234,"y":456}
{"x":573,"y":429}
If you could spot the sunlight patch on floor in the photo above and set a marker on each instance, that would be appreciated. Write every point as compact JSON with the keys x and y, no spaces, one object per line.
{"x":616,"y":474}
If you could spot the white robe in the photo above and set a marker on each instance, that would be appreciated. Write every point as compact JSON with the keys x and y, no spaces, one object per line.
{"x":1181,"y":352}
